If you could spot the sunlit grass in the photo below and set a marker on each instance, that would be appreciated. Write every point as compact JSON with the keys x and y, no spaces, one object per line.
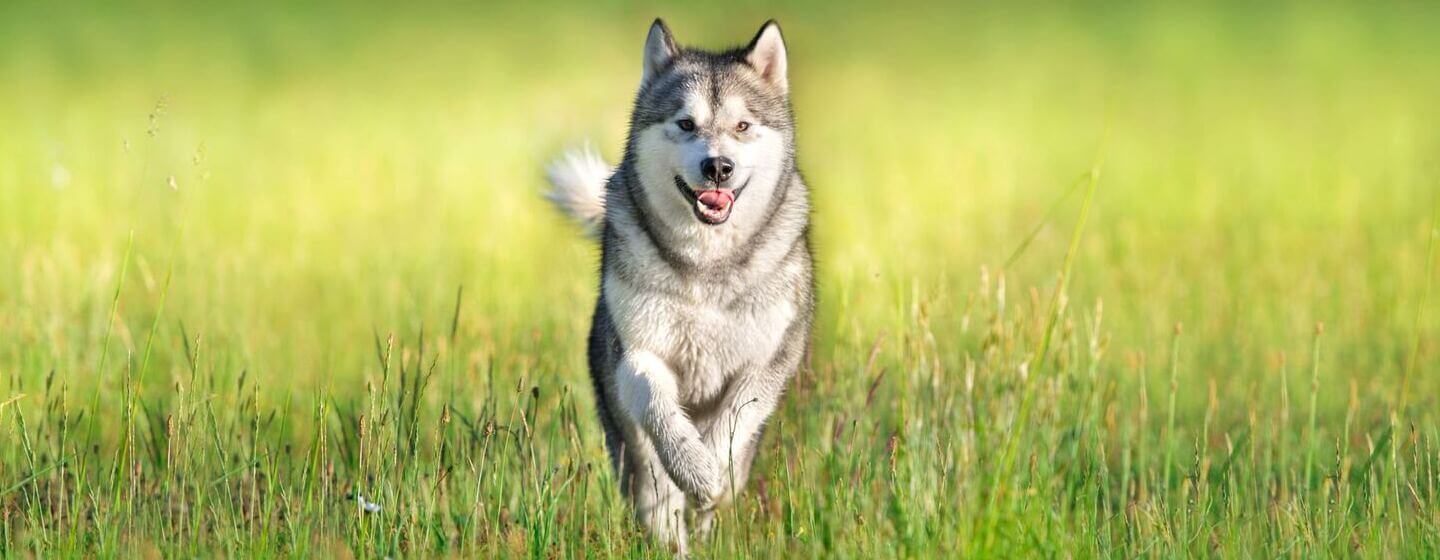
{"x":258,"y":263}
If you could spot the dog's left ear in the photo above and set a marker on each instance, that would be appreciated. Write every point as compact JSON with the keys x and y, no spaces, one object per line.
{"x":766,"y":54}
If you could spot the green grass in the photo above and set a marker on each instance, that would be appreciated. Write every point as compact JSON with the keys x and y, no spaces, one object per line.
{"x":254,"y":260}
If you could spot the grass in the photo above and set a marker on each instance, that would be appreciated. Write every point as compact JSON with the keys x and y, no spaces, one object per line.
{"x":277,"y":280}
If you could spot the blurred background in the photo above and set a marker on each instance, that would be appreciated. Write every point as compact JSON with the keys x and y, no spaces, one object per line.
{"x":300,"y":177}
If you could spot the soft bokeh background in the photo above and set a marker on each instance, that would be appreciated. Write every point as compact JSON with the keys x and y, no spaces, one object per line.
{"x":319,"y":171}
{"x":302,"y":178}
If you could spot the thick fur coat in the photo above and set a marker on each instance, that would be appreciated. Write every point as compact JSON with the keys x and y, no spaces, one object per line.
{"x":707,"y":282}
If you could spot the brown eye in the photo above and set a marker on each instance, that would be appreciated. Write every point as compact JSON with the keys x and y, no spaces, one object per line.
{"x":742,"y":127}
{"x":686,"y":125}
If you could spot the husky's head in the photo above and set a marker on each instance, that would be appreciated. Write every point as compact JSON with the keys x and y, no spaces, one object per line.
{"x":711,"y":134}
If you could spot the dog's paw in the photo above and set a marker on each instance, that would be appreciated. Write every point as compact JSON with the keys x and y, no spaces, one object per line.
{"x":699,"y":477}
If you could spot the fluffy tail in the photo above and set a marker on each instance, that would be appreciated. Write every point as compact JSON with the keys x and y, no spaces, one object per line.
{"x":577,"y":187}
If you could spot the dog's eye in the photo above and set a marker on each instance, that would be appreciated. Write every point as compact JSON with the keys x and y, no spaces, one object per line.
{"x":686,"y":125}
{"x":742,"y":127}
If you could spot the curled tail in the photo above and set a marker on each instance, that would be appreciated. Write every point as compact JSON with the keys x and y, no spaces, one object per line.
{"x":577,"y":187}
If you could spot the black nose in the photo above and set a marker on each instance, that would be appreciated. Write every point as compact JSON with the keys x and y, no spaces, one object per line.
{"x":717,"y":169}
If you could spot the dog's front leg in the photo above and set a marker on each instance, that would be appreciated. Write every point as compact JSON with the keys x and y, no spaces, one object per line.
{"x":753,"y":396}
{"x":732,"y":431}
{"x":648,"y":394}
{"x":743,"y":412}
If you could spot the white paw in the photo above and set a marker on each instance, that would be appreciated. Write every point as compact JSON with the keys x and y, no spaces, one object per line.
{"x":700,"y":477}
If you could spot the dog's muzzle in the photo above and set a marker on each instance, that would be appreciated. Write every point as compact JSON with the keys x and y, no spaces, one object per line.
{"x":712,"y":206}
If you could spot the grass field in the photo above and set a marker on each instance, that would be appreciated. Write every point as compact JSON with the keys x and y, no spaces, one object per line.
{"x":257,"y":260}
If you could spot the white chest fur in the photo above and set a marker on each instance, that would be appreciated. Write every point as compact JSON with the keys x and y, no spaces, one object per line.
{"x":705,"y":334}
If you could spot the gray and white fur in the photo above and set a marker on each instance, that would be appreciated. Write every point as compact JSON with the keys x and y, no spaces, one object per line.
{"x":707,"y":280}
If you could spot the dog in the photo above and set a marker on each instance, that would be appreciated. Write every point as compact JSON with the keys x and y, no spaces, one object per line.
{"x":707,"y":282}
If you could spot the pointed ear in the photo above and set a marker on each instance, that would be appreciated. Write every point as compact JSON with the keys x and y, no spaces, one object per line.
{"x":766,"y":54}
{"x":659,"y":50}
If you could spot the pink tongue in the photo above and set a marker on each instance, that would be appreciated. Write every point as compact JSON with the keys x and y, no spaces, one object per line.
{"x":716,"y":199}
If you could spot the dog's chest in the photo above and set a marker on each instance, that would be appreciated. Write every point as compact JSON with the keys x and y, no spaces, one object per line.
{"x":705,"y":334}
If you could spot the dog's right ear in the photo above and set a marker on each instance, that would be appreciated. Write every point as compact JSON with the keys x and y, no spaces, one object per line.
{"x":660,"y":49}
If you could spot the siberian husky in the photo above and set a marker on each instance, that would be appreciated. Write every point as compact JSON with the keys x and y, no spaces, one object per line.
{"x":707,"y":281}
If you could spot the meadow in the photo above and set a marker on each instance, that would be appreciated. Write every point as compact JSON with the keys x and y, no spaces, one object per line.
{"x":1097,"y":280}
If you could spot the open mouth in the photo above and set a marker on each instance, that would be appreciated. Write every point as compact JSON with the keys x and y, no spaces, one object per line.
{"x":712,"y":206}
